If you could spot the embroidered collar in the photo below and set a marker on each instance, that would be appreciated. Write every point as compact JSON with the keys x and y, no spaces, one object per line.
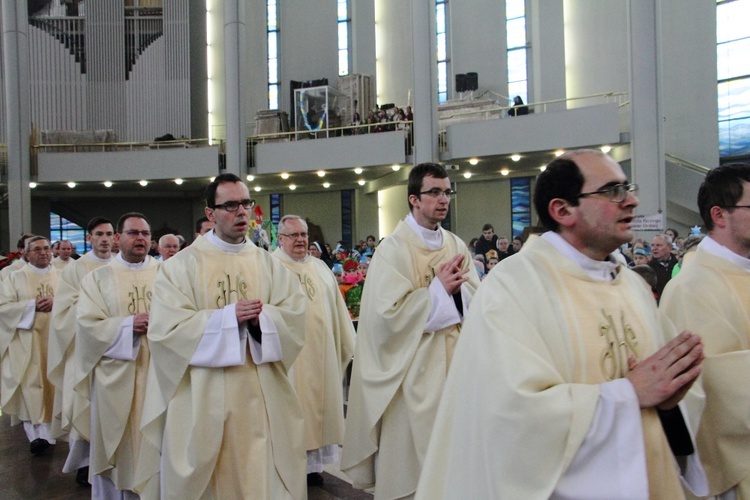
{"x":599,"y":270}
{"x":223,"y":245}
{"x":433,"y":238}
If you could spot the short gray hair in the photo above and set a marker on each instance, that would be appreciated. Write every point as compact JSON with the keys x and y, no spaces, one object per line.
{"x":31,"y":240}
{"x":282,"y":222}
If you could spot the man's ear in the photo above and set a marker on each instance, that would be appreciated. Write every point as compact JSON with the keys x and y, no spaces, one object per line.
{"x":561,"y":211}
{"x":719,"y":216}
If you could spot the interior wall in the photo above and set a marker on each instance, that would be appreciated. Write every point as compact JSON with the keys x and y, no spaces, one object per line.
{"x":393,"y":207}
{"x":480,"y":203}
{"x":394,"y":51}
{"x":322,"y":208}
{"x":366,"y":215}
{"x":362,"y":47}
{"x":256,"y":81}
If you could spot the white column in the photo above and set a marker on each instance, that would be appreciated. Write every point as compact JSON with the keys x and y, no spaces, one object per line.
{"x":17,"y":117}
{"x":647,"y":140}
{"x":234,"y":51}
{"x":425,"y":82}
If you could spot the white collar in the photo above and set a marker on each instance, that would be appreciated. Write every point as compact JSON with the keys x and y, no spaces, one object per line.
{"x":133,"y":266}
{"x":223,"y":245}
{"x":599,"y":270}
{"x":37,"y":270}
{"x":715,"y":248}
{"x":433,"y":238}
{"x":91,"y":255}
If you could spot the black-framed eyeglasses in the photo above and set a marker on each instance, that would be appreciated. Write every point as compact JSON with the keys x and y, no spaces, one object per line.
{"x":436,"y":193}
{"x":736,"y":206}
{"x":617,"y":192}
{"x":134,"y":233}
{"x":233,"y":206}
{"x":294,"y":236}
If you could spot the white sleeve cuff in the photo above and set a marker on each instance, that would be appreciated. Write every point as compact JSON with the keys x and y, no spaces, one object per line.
{"x":126,"y":345}
{"x":443,"y":312}
{"x":222,"y":343}
{"x":27,"y":320}
{"x":270,"y":350}
{"x":612,"y":457}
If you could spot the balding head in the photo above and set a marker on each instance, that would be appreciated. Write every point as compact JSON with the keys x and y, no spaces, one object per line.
{"x":169,"y":245}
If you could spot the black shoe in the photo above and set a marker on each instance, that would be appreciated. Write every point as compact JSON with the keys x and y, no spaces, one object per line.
{"x":314,"y":479}
{"x":38,"y":446}
{"x":82,"y":476}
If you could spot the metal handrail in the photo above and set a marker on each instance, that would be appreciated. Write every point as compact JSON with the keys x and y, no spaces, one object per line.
{"x":700,"y":169}
{"x":121,"y":146}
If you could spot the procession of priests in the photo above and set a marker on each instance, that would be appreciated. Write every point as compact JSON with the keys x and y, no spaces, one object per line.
{"x":223,"y":370}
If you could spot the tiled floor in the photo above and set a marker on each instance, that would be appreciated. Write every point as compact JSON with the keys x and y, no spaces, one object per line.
{"x":23,"y":476}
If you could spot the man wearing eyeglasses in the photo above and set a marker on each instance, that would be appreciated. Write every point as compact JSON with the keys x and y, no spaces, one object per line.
{"x":69,"y":405}
{"x":319,"y":369}
{"x":26,"y":298}
{"x":419,"y":286}
{"x":227,"y":324}
{"x":711,"y":296}
{"x":112,"y":356}
{"x":564,"y":384}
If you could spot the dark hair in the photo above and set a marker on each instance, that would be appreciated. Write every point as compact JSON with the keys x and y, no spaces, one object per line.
{"x":674,"y":231}
{"x":211,"y":188}
{"x":95,"y":222}
{"x":561,"y":179}
{"x":199,"y":223}
{"x":417,"y":175}
{"x":487,"y":227}
{"x":722,"y":187}
{"x":130,"y":215}
{"x":647,"y":273}
{"x":22,"y":242}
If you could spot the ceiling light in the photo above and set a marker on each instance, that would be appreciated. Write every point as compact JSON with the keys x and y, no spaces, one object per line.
{"x":543,"y":168}
{"x":473,"y":161}
{"x":396,"y":168}
{"x":505,"y":171}
{"x":211,"y":179}
{"x":515,"y":157}
{"x":326,"y":185}
{"x":467,"y":175}
{"x":321,"y":173}
{"x":71,"y":184}
{"x":606,"y":149}
{"x":361,"y":182}
{"x":178,"y":182}
{"x":250,"y":178}
{"x":32,"y":185}
{"x":143,"y":183}
{"x":559,"y":152}
{"x":108,"y":184}
{"x":257,"y":189}
{"x":358,"y":170}
{"x":292,"y":186}
{"x":284,"y":176}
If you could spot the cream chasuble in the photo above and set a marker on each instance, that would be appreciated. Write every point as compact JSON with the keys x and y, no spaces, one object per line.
{"x":711,"y":297}
{"x":318,"y":371}
{"x":14,"y":266}
{"x":520,"y":400}
{"x":60,"y":357}
{"x":234,"y":432}
{"x":25,"y":392}
{"x":399,"y":369}
{"x":59,"y":264}
{"x":108,"y":296}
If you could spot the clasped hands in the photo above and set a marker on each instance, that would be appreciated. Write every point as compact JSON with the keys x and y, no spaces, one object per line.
{"x":248,"y":310}
{"x":44,"y":304}
{"x":451,"y":275}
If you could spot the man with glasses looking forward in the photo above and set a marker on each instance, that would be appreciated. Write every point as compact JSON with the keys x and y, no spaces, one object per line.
{"x":227,"y":322}
{"x":565,"y":384}
{"x":419,"y":286}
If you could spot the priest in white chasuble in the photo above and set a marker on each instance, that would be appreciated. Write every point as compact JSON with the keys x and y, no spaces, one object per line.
{"x":70,"y":406}
{"x":221,"y":417}
{"x":418,"y":288}
{"x":112,"y":355}
{"x":565,"y":383}
{"x":711,"y":297}
{"x":26,"y":299}
{"x":319,"y":370}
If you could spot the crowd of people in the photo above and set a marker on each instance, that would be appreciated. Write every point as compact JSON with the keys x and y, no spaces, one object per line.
{"x":216,"y":371}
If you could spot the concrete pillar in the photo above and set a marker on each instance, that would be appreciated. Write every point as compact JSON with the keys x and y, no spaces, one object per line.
{"x":234,"y":64}
{"x":17,"y":118}
{"x":425,"y":82}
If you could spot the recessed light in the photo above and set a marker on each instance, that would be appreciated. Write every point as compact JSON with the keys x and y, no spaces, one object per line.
{"x":543,"y":168}
{"x":321,"y":173}
{"x":473,"y":161}
{"x":326,"y":185}
{"x":505,"y":171}
{"x":211,"y":179}
{"x":292,"y":187}
{"x":250,"y":178}
{"x":178,"y":182}
{"x":515,"y":157}
{"x":358,"y":170}
{"x":559,"y":152}
{"x":396,"y":168}
{"x":71,"y":184}
{"x":32,"y":185}
{"x":257,"y":189}
{"x":606,"y":149}
{"x":361,"y":182}
{"x":143,"y":183}
{"x":108,"y":184}
{"x":284,"y":175}
{"x":467,"y":175}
